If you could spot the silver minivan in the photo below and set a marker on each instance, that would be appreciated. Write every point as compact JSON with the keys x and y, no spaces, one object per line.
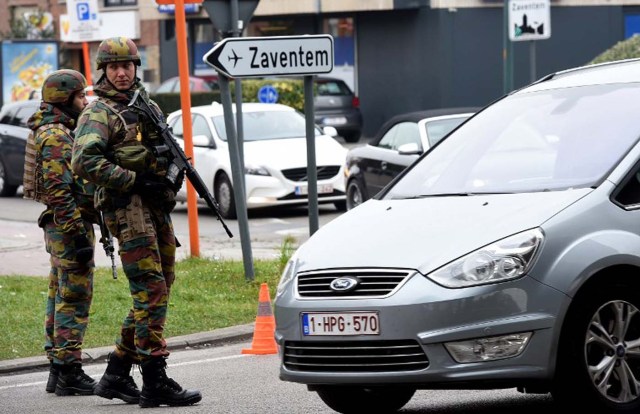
{"x":508,"y":256}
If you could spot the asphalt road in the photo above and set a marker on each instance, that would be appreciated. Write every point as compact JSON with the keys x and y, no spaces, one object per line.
{"x":231,"y":382}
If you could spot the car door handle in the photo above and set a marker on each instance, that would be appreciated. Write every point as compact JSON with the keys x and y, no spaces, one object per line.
{"x":383,"y":165}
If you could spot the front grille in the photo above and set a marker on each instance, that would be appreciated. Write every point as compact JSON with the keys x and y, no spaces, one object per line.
{"x":372,"y":283}
{"x":294,"y":196}
{"x":300,"y":174}
{"x":355,"y":356}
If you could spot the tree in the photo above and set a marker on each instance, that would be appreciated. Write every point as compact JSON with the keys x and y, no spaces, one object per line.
{"x":626,"y":49}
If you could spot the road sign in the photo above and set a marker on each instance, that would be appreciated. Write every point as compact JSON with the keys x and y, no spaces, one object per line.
{"x":84,"y":21}
{"x":268,"y":94}
{"x":529,"y":20}
{"x":239,"y":57}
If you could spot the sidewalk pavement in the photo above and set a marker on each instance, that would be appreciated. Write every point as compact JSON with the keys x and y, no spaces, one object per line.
{"x":216,"y":337}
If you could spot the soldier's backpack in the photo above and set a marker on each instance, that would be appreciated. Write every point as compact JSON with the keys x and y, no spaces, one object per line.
{"x":33,"y":181}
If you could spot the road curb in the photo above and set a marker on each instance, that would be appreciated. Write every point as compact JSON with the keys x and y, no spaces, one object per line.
{"x":216,"y":337}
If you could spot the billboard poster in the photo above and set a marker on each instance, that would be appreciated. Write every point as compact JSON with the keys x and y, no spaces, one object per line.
{"x":25,"y":65}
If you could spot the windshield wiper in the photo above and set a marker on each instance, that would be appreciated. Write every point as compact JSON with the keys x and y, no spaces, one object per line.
{"x":453,"y":195}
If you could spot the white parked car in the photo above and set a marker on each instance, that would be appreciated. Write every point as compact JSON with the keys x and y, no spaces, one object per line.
{"x":275,"y":157}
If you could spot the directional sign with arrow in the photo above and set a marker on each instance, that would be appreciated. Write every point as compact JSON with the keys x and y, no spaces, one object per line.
{"x":239,"y":57}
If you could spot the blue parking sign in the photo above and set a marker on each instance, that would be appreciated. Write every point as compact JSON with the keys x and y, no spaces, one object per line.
{"x":268,"y":94}
{"x":82,"y":9}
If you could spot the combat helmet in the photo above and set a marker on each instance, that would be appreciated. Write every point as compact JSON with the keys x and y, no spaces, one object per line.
{"x":117,"y":49}
{"x":60,"y":86}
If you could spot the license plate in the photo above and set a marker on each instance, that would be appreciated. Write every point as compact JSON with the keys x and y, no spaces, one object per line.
{"x":322,"y":189}
{"x":339,"y":120}
{"x":341,"y":324}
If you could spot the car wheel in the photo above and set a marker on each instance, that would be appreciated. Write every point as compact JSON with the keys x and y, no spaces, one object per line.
{"x":597,"y":364}
{"x":349,"y":399}
{"x":340,"y":205}
{"x":351,"y":136}
{"x":6,"y":190}
{"x":355,"y":194}
{"x":224,"y":197}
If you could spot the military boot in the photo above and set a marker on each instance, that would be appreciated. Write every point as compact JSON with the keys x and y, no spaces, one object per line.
{"x":117,"y":382}
{"x":54,"y":371}
{"x":73,"y":381}
{"x":158,"y":389}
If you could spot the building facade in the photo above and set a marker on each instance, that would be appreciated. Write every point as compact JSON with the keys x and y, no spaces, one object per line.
{"x":398,"y":55}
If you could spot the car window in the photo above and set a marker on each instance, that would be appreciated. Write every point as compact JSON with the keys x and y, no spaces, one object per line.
{"x":628,"y":195}
{"x":389,"y":138}
{"x":166,"y":87}
{"x":439,"y":128}
{"x":259,"y":126}
{"x":400,"y":134}
{"x":408,"y":133}
{"x":532,"y":142}
{"x":23,"y":115}
{"x":200,"y":126}
{"x":7,"y":116}
{"x":329,"y":88}
{"x":177,"y":127}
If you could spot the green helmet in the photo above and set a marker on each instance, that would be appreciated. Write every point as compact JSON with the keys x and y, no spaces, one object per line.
{"x":60,"y":85}
{"x":117,"y":49}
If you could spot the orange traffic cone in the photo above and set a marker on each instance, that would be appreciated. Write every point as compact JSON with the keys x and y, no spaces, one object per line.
{"x":263,"y":334}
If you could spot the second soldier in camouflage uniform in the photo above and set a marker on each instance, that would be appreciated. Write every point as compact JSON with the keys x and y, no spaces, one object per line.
{"x":68,"y":229}
{"x":113,"y":149}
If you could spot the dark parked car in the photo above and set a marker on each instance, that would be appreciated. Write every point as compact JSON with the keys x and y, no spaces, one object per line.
{"x":337,"y":106}
{"x":13,"y":138}
{"x":398,"y":143}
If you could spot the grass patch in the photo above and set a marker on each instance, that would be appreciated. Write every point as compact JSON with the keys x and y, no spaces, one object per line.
{"x":206,"y":295}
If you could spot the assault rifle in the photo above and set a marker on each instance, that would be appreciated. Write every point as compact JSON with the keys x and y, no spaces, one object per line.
{"x":179,"y":161}
{"x":107,"y":245}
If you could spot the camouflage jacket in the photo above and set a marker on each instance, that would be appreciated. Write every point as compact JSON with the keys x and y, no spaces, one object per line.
{"x":105,"y":126}
{"x":69,"y":197}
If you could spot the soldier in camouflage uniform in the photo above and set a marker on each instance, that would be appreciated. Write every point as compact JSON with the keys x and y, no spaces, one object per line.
{"x":114,"y":149}
{"x":68,"y":229}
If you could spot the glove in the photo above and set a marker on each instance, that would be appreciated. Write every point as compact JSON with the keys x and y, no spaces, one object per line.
{"x":145,"y":186}
{"x":84,"y":250}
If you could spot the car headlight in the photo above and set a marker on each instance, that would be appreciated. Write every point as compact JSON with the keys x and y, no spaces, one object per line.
{"x":287,"y":275}
{"x":255,"y":170}
{"x":503,"y":260}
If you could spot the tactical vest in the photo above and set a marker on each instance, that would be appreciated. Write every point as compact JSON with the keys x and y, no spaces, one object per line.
{"x":129,"y":119}
{"x":33,"y":180}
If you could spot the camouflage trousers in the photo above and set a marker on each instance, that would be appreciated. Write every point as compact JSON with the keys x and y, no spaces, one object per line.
{"x":69,"y":296}
{"x":147,"y":248}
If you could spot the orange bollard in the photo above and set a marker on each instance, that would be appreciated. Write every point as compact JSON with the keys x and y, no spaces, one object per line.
{"x":263,"y":333}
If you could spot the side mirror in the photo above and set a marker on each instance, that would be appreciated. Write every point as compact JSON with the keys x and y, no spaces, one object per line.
{"x":409,"y":149}
{"x":331,"y":131}
{"x":202,"y":141}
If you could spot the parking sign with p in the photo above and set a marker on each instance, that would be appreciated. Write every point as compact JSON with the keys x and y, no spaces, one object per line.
{"x":83,"y":11}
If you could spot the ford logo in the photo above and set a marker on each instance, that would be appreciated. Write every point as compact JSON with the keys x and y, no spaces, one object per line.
{"x":344,"y":284}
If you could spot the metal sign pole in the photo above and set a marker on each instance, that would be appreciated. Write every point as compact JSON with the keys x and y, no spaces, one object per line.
{"x":238,"y":181}
{"x":312,"y":173}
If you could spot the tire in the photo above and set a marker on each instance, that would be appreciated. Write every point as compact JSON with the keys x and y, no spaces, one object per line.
{"x":340,"y":205}
{"x":595,"y":369}
{"x":353,"y":136}
{"x":355,"y":194}
{"x":224,"y":196}
{"x":6,"y":190}
{"x":354,"y":399}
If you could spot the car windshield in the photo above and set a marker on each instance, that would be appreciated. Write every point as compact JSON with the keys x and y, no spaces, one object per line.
{"x":260,"y":126}
{"x":529,"y":142}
